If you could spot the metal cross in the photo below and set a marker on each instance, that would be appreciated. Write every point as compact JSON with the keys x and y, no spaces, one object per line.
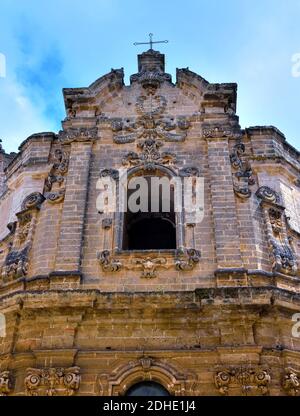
{"x":151,"y":42}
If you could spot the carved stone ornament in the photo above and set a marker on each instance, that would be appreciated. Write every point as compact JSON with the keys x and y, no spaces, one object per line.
{"x":151,"y":80}
{"x":268,"y":194}
{"x":5,"y":383}
{"x":147,"y":369}
{"x":109,"y":173}
{"x":251,"y":381}
{"x":15,"y":265}
{"x":108,"y":263}
{"x":243,"y":177}
{"x":149,"y":265}
{"x":52,"y":381}
{"x":56,"y":197}
{"x":78,"y":134}
{"x":189,"y":172}
{"x":33,"y":200}
{"x":187,"y":260}
{"x":54,"y":190}
{"x":150,"y":122}
{"x":211,"y":132}
{"x":149,"y":157}
{"x":291,"y":382}
{"x":284,"y":258}
{"x":165,"y":128}
{"x":17,"y":260}
{"x":107,"y":223}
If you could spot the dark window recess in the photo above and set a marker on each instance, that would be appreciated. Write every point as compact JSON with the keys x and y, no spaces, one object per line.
{"x":151,"y":230}
{"x":147,"y":388}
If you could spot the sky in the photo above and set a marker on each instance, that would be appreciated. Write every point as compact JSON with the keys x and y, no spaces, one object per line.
{"x":50,"y":45}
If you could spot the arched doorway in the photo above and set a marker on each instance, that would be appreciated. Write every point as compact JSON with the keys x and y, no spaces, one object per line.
{"x":147,"y":388}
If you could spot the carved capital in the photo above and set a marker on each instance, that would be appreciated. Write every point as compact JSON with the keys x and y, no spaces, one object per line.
{"x":52,"y":381}
{"x":250,"y":380}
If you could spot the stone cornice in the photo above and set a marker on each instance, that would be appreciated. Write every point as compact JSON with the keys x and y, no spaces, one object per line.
{"x":85,"y":298}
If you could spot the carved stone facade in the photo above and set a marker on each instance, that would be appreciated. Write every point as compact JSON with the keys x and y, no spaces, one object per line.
{"x":216,"y":314}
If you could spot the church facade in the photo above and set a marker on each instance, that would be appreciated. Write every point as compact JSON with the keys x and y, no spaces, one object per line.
{"x":101,"y":302}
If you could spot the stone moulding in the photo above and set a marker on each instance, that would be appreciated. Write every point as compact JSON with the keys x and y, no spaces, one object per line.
{"x":146,"y":369}
{"x":250,"y":380}
{"x":5,"y":383}
{"x":52,"y":381}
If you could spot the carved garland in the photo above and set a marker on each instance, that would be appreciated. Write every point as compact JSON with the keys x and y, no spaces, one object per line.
{"x":52,"y":381}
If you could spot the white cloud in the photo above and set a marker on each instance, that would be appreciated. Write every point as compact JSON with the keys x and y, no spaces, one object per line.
{"x":19,"y":117}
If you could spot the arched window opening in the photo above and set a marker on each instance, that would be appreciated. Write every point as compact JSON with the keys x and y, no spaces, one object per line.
{"x":147,"y":388}
{"x":149,"y":223}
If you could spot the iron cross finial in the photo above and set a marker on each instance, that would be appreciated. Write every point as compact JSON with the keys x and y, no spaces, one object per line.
{"x":151,"y":42}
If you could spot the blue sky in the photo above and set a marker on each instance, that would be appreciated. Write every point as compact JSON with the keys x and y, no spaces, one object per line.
{"x":56,"y":44}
